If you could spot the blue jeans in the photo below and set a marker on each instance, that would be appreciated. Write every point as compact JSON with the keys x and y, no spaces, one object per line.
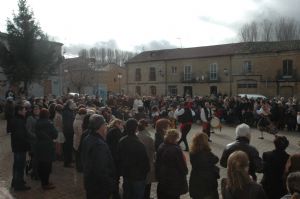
{"x":133,"y":189}
{"x":18,"y":169}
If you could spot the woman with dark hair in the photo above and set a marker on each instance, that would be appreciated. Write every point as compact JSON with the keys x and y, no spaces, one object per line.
{"x":161,"y":126}
{"x":114,"y":134}
{"x":238,"y":183}
{"x":46,"y":133}
{"x":274,"y":163}
{"x":205,"y":173}
{"x":171,"y":168}
{"x":52,"y":111}
{"x":293,"y":164}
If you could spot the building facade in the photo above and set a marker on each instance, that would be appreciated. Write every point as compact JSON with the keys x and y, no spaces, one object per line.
{"x":267,"y":68}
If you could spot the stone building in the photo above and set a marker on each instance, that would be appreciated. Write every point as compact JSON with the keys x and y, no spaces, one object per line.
{"x":267,"y":68}
{"x":84,"y":76}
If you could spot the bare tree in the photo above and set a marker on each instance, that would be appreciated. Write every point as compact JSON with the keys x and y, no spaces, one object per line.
{"x":267,"y":30}
{"x":249,"y":32}
{"x":286,"y":29}
{"x":79,"y":79}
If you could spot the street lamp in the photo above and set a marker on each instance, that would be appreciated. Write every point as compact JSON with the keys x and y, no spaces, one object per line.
{"x":119,"y":78}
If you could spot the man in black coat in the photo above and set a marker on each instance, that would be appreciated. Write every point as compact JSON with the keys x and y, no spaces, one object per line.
{"x":98,"y":165}
{"x":20,"y":145}
{"x":242,"y":144}
{"x":133,"y":162}
{"x":68,"y":117}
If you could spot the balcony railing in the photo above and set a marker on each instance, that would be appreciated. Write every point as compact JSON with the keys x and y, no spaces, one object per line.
{"x":287,"y":77}
{"x":194,"y":78}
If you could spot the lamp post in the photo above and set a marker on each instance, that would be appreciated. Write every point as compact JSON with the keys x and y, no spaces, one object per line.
{"x":119,"y":78}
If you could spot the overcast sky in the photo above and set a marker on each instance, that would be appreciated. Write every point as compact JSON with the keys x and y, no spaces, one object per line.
{"x":132,"y":24}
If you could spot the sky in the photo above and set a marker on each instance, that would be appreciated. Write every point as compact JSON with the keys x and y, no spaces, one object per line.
{"x":152,"y":24}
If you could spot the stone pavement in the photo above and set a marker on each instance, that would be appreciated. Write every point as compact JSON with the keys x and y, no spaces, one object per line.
{"x":69,"y":183}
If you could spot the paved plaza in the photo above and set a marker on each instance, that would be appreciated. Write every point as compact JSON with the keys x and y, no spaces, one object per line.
{"x":69,"y":184}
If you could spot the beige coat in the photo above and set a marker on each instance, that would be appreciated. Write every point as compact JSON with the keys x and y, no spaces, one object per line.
{"x":77,"y":126}
{"x":147,"y":140}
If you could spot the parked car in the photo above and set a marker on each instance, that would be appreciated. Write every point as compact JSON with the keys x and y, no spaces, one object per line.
{"x":252,"y":96}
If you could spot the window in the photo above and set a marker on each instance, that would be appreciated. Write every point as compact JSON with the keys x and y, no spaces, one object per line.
{"x":153,"y":90}
{"x":152,"y":74}
{"x":247,"y":68}
{"x":138,"y":74}
{"x":247,"y":84}
{"x":174,"y":70}
{"x":213,"y":71}
{"x":187,"y":73}
{"x":287,"y":67}
{"x":138,"y":90}
{"x":172,"y":90}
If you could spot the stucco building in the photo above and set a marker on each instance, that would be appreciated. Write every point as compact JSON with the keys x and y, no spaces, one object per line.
{"x":268,"y":68}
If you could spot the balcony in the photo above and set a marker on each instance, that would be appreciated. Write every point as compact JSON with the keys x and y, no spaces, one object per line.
{"x":287,"y":77}
{"x":196,"y":78}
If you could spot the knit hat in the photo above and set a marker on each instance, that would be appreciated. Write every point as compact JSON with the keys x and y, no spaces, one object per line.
{"x":242,"y":130}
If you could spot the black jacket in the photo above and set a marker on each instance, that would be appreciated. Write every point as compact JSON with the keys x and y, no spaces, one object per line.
{"x":273,"y":181}
{"x":204,"y":175}
{"x":133,"y":161}
{"x":19,"y":135}
{"x":242,"y":144}
{"x":45,"y":134}
{"x":171,"y":170}
{"x":98,"y":165}
{"x":68,"y":118}
{"x":159,"y":139}
{"x":112,"y":139}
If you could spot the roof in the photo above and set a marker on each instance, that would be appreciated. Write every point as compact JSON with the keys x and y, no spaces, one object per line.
{"x":216,"y":51}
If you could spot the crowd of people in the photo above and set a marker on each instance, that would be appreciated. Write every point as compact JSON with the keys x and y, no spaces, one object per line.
{"x":112,"y":144}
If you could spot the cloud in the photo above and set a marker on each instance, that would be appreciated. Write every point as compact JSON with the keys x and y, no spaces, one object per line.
{"x":155,"y":45}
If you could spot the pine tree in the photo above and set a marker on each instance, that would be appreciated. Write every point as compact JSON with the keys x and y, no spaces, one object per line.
{"x":29,"y":56}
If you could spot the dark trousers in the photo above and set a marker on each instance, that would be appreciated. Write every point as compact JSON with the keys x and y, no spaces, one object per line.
{"x":133,"y":189}
{"x":97,"y":193}
{"x":18,"y":169}
{"x":184,"y":131}
{"x":206,"y":128}
{"x":78,"y":161}
{"x":9,"y":125}
{"x":44,"y":170}
{"x":68,"y":148}
{"x":147,"y":191}
{"x":162,"y":195}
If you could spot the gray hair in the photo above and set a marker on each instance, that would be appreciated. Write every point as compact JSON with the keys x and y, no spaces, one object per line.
{"x":243,"y":130}
{"x":96,"y":121}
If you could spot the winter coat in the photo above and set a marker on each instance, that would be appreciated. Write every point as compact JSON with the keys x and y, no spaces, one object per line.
{"x":251,"y":191}
{"x":273,"y":181}
{"x":204,"y":175}
{"x":145,"y":137}
{"x":45,"y":134}
{"x":68,"y":119}
{"x":133,"y":162}
{"x":77,"y":126}
{"x":113,"y":137}
{"x":158,"y":140}
{"x":19,"y":135}
{"x":171,"y":170}
{"x":242,"y":144}
{"x":98,"y":165}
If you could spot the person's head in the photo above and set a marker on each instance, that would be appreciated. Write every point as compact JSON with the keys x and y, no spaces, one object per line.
{"x":237,"y":170}
{"x":117,"y":123}
{"x":44,"y":113}
{"x":59,"y":108}
{"x":82,"y":111}
{"x":162,"y":125}
{"x":171,"y":136}
{"x":281,"y":143}
{"x":243,"y":130}
{"x":97,"y":124}
{"x":200,"y":143}
{"x":293,"y":163}
{"x":36,"y":110}
{"x":20,"y":109}
{"x":293,"y":184}
{"x":206,"y":104}
{"x":131,"y":126}
{"x":142,"y":125}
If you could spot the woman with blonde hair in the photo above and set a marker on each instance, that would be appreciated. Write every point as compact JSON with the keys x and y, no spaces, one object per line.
{"x":171,"y":168}
{"x":161,"y":126}
{"x":205,"y":173}
{"x":238,"y":183}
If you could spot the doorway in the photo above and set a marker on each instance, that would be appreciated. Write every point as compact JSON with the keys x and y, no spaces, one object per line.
{"x":214,"y":90}
{"x":188,"y":90}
